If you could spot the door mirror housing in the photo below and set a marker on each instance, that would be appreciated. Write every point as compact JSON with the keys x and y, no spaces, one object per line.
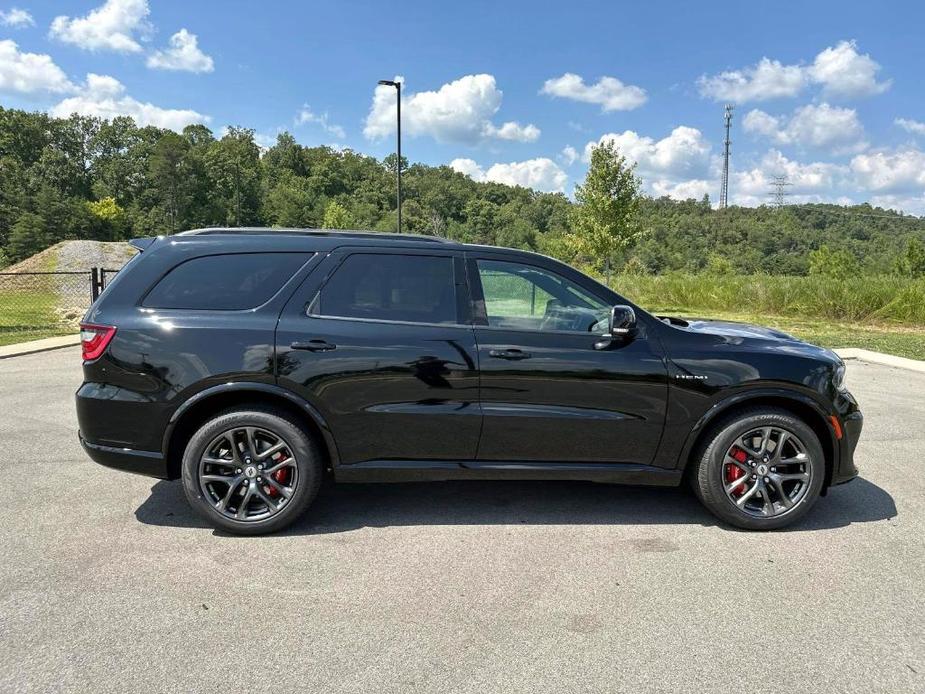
{"x":621,"y":325}
{"x":622,"y":320}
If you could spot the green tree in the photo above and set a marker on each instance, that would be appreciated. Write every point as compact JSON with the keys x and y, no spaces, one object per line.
{"x":719,"y":266}
{"x":170,"y":179}
{"x":110,"y":221}
{"x":605,"y":220}
{"x":912,"y":261}
{"x":28,"y":236}
{"x":837,"y":264}
{"x":233,"y":165}
{"x":336,"y":216}
{"x":289,"y":202}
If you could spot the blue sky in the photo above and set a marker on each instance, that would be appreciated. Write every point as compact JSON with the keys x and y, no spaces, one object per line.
{"x":828,"y":93}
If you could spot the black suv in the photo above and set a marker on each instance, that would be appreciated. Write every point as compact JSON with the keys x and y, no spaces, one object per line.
{"x":252,"y":363}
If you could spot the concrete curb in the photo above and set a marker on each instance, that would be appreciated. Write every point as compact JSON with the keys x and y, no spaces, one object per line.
{"x":881,"y":358}
{"x":39,"y":346}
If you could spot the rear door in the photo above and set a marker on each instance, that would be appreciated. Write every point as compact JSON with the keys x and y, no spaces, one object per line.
{"x":380,"y":343}
{"x":547,"y":394}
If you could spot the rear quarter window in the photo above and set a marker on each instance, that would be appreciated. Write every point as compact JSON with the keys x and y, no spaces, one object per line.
{"x":227,"y":282}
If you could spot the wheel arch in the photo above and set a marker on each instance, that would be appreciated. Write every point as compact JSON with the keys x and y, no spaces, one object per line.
{"x":203,"y":405}
{"x":798,"y":404}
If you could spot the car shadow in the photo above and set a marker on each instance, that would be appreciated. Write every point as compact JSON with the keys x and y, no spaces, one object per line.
{"x":345,"y":507}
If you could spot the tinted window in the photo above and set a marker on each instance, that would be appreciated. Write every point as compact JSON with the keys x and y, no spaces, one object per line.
{"x":525,"y":297}
{"x":411,"y":288}
{"x":225,"y":282}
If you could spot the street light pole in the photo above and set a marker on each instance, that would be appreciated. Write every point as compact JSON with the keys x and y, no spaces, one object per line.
{"x":397,"y":85}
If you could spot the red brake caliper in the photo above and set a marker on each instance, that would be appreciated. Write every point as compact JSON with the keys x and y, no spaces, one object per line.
{"x":734,"y":472}
{"x":281,"y":475}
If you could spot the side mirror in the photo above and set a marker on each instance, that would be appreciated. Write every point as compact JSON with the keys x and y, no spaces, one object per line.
{"x":622,"y":324}
{"x":622,"y":321}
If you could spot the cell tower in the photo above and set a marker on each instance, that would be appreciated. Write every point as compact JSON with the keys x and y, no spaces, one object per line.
{"x":779,"y":189}
{"x":724,"y":191}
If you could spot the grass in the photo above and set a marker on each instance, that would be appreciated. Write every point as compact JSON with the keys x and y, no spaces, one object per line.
{"x":903,"y":341}
{"x":880,"y":313}
{"x":869,"y":299}
{"x":29,"y":315}
{"x":13,"y":338}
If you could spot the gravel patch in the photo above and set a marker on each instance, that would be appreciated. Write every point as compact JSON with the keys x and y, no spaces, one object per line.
{"x":80,"y":256}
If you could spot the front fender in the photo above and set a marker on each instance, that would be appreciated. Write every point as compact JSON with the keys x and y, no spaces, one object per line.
{"x":803,"y":403}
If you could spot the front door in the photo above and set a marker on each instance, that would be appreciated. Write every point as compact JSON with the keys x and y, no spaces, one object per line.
{"x":547,"y":394}
{"x":382,"y":349}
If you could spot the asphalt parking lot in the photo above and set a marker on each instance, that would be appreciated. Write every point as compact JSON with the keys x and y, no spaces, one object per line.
{"x":109,"y":583}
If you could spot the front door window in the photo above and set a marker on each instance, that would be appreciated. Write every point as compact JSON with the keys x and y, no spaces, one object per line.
{"x":524,"y":297}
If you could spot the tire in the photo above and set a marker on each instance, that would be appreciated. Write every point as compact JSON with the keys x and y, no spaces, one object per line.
{"x":254,"y":430}
{"x":714,"y":472}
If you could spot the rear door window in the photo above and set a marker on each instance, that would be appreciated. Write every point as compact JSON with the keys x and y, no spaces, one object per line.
{"x":405,"y":288}
{"x":228,"y":282}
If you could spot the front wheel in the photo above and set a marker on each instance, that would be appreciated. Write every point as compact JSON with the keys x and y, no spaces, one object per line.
{"x":251,"y":471}
{"x":760,"y":470}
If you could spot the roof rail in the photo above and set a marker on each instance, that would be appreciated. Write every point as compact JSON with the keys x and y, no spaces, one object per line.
{"x":208,"y":231}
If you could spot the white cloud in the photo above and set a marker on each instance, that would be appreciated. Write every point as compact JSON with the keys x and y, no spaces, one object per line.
{"x":840,"y":70}
{"x":306,"y":115}
{"x":813,"y":182}
{"x":183,"y":54}
{"x":812,"y":125}
{"x":569,"y":155}
{"x":891,"y":172}
{"x":758,"y":121}
{"x":469,"y":167}
{"x":676,"y":165}
{"x":609,"y":92}
{"x":683,"y":153}
{"x":512,"y":130}
{"x":16,"y":18}
{"x":911,"y":126}
{"x":104,"y":96}
{"x":769,"y":79}
{"x":30,"y":73}
{"x":843,"y":72}
{"x":112,"y":26}
{"x":910,"y":204}
{"x":541,"y":174}
{"x":459,"y":112}
{"x":694,"y":188}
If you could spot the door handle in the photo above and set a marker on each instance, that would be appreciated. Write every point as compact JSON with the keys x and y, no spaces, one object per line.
{"x":314,"y":346}
{"x":509,"y":354}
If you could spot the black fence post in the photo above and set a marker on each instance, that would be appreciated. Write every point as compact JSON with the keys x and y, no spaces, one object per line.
{"x":95,"y":283}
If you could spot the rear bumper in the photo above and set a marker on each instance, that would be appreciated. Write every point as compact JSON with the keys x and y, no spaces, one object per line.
{"x":148,"y":463}
{"x":847,"y":470}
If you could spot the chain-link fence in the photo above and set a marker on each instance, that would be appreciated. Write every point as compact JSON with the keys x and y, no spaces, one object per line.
{"x":41,"y":304}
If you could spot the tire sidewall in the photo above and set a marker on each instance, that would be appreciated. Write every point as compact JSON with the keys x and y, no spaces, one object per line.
{"x":710,"y":478}
{"x":308,"y":465}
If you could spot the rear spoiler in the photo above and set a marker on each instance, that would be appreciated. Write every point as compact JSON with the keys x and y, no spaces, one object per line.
{"x":144,"y":242}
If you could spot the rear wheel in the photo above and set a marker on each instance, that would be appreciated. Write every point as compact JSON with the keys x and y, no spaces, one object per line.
{"x":251,"y":471}
{"x":760,"y":470}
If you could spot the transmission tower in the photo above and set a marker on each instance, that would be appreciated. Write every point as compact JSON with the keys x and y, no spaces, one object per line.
{"x":724,"y":191}
{"x":779,"y":189}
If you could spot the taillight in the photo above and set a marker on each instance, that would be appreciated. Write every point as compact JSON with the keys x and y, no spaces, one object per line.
{"x":94,"y":339}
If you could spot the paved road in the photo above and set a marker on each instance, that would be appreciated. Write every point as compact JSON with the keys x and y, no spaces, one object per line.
{"x":108,"y":583}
